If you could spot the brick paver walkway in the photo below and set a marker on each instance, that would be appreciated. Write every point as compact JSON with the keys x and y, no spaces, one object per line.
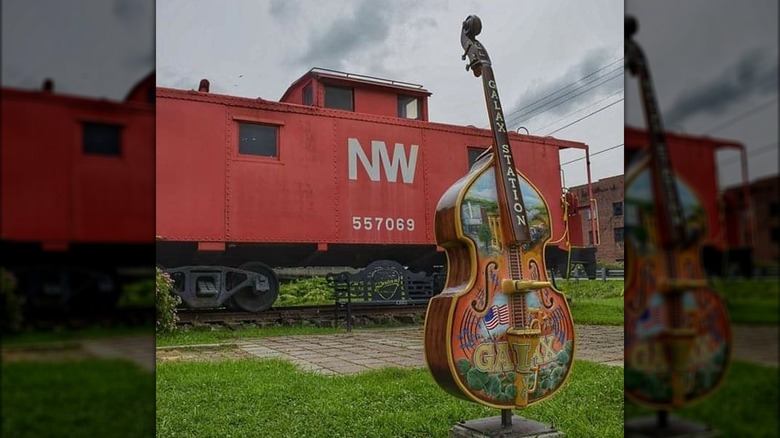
{"x":756,"y":344}
{"x":346,"y":353}
{"x":361,"y":350}
{"x":138,"y":349}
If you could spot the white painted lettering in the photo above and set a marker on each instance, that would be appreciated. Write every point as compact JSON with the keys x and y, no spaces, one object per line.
{"x":381,"y":158}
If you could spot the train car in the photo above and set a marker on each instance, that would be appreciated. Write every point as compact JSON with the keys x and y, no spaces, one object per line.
{"x":729,"y":220}
{"x":77,"y":193}
{"x":344,"y":170}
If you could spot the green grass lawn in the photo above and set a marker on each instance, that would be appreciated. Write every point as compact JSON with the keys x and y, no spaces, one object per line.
{"x":275,"y":399}
{"x":594,"y":301}
{"x":94,"y":332}
{"x":751,"y":301}
{"x":745,"y":405}
{"x":94,"y":398}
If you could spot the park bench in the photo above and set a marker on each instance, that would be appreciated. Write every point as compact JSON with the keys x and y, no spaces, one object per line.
{"x":384,"y":283}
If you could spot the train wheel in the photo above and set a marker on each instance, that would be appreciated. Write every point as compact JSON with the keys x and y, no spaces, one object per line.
{"x":262,"y":295}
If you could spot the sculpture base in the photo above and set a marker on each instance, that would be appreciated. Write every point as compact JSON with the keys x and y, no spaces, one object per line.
{"x":491,"y":428}
{"x":648,"y":427}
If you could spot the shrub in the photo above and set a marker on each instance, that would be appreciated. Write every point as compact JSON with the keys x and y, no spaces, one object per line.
{"x":305,"y":291}
{"x":137,"y":295}
{"x":166,"y":302}
{"x":12,"y":304}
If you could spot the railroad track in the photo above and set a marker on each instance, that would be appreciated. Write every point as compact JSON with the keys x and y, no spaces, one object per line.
{"x":295,"y":314}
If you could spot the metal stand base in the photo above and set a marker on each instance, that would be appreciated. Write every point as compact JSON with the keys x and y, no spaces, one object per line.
{"x":674,"y":427}
{"x":491,"y":427}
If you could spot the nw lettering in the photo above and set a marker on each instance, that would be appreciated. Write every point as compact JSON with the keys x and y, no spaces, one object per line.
{"x":381,"y":158}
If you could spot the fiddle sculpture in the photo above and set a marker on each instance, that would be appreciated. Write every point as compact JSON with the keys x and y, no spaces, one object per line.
{"x":499,"y":334}
{"x":677,"y":335}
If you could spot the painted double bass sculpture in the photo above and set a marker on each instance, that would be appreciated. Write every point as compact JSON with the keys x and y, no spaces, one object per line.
{"x":677,"y":336}
{"x":499,"y":334}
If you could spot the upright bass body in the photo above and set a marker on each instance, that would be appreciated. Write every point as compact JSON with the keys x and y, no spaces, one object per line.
{"x":473,"y":344}
{"x":702,"y":332}
{"x":677,"y":336}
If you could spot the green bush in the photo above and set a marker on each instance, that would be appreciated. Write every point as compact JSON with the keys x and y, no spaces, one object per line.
{"x":166,"y":302}
{"x":305,"y":291}
{"x":137,"y":295}
{"x":12,"y":304}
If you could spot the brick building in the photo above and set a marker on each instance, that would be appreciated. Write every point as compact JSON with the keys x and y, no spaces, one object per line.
{"x":765,"y":202}
{"x":608,"y":193}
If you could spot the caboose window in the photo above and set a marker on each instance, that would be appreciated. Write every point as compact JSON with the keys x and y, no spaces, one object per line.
{"x":409,"y":107}
{"x":256,"y":139}
{"x":474,"y":153}
{"x":339,"y":98}
{"x":307,"y":96}
{"x":102,"y":139}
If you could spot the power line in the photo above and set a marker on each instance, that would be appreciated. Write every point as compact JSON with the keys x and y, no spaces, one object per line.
{"x":512,"y":114}
{"x":567,"y":86}
{"x":593,"y":154}
{"x":741,"y":116}
{"x":586,"y":116}
{"x":581,"y":109}
{"x":756,"y":151}
{"x":552,"y":103}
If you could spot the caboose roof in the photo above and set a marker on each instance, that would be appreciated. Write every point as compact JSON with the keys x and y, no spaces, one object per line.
{"x":344,"y":78}
{"x":637,"y":138}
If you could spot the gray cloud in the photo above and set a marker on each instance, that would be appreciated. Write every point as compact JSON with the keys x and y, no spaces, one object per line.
{"x":753,"y":73}
{"x":577,"y":85}
{"x":284,"y":9}
{"x":366,"y":27}
{"x":130,"y":10}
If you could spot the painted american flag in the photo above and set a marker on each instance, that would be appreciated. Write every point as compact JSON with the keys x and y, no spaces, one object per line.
{"x":496,"y":315}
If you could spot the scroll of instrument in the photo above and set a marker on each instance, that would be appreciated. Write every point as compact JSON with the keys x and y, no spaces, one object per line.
{"x":499,"y":334}
{"x":677,"y":335}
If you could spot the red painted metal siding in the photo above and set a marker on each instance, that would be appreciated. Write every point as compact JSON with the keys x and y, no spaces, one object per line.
{"x":693,"y":160}
{"x":53,"y":193}
{"x":190,"y":162}
{"x":207,"y":191}
{"x":377,"y":102}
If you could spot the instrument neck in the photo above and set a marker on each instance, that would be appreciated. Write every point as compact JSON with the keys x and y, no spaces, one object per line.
{"x":510,"y":198}
{"x":671,"y":221}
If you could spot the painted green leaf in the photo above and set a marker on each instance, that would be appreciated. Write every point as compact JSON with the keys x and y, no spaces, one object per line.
{"x":510,"y":392}
{"x":568,"y":347}
{"x":563,"y":357}
{"x":493,"y":386}
{"x":476,"y":379}
{"x":464,"y":365}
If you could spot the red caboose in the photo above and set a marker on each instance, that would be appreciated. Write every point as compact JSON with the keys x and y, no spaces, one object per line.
{"x":729,"y":238}
{"x":343,"y":171}
{"x":77,"y":190}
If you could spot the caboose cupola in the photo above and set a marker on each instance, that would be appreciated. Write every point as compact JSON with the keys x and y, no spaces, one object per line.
{"x":333,"y":89}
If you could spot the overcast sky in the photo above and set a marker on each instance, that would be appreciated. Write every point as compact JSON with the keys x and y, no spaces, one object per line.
{"x":715,"y":67}
{"x":258,"y":48}
{"x":95,"y":48}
